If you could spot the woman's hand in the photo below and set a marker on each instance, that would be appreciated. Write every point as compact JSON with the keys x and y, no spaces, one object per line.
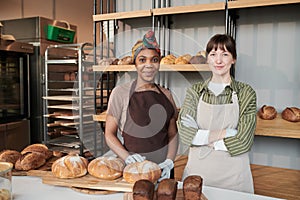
{"x":166,"y":168}
{"x":134,"y":158}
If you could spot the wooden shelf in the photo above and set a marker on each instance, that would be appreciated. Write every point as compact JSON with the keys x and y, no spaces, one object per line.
{"x":278,"y":127}
{"x":189,"y":9}
{"x":178,"y":68}
{"x":122,"y":15}
{"x":255,"y":3}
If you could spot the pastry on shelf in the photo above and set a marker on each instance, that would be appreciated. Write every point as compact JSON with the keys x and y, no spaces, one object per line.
{"x":184,"y":59}
{"x":127,"y":60}
{"x":291,"y":114}
{"x":168,"y":60}
{"x":267,"y":112}
{"x":198,"y":59}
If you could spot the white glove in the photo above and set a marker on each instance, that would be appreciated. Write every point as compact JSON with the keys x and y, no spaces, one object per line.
{"x":189,"y":121}
{"x":201,"y":137}
{"x":219,"y":145}
{"x":166,"y":167}
{"x":134,"y":158}
{"x":230,"y":132}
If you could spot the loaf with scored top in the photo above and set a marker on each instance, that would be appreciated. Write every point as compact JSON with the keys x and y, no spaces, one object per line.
{"x":70,"y":166}
{"x":291,"y":114}
{"x":142,"y":170}
{"x":108,"y":168}
{"x":267,"y":112}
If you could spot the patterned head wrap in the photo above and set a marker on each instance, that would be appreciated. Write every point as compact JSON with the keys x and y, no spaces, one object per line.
{"x":149,"y":42}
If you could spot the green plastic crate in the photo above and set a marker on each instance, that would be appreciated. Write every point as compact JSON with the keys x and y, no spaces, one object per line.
{"x":60,"y":34}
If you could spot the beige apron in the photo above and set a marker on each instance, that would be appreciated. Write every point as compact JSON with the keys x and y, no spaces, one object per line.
{"x":218,"y":168}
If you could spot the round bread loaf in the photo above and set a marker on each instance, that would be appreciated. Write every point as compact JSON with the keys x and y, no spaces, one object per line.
{"x":142,"y":170}
{"x":184,"y":59}
{"x":30,"y":160}
{"x":10,"y":156}
{"x":198,"y":60}
{"x":267,"y":112}
{"x":38,"y":148}
{"x":108,"y":168}
{"x":70,"y":166}
{"x":127,"y":60}
{"x":291,"y":114}
{"x":168,"y":60}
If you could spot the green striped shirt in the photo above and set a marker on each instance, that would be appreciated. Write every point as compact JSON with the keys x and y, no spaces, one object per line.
{"x":243,"y":140}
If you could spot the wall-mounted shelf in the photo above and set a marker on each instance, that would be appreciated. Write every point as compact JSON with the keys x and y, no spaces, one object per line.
{"x":255,"y":3}
{"x":178,"y":68}
{"x":278,"y":127}
{"x":122,"y":15}
{"x":189,"y":9}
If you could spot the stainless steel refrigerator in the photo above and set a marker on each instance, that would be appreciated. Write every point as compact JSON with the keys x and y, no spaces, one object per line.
{"x":33,"y":30}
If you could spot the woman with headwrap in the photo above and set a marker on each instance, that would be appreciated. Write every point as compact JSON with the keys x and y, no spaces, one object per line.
{"x":144,"y":113}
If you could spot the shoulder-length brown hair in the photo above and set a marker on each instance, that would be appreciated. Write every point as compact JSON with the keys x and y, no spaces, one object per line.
{"x":221,"y":41}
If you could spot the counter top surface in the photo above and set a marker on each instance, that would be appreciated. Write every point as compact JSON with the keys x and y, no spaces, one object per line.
{"x":27,"y":187}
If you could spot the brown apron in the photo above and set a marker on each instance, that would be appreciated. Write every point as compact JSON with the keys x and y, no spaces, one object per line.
{"x":218,"y":168}
{"x":147,"y":121}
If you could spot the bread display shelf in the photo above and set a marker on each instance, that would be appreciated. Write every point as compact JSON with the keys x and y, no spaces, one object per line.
{"x":255,"y":3}
{"x":189,"y":9}
{"x":122,"y":15}
{"x":278,"y":127}
{"x":175,"y":68}
{"x":89,"y":182}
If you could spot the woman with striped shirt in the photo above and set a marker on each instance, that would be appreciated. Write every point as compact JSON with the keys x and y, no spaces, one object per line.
{"x":217,"y":121}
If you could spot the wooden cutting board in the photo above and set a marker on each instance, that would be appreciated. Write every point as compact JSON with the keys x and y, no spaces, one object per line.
{"x":89,"y":182}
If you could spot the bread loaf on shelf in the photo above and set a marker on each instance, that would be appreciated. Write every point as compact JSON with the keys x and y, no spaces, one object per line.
{"x":198,"y":60}
{"x":127,"y":60}
{"x":142,"y":170}
{"x":108,"y":168}
{"x":10,"y":156}
{"x":168,"y":60}
{"x":291,"y":114}
{"x":184,"y":59}
{"x":70,"y":166}
{"x":167,"y":189}
{"x":30,"y":160}
{"x":192,"y":187}
{"x":267,"y":112}
{"x":143,"y":190}
{"x":38,"y":148}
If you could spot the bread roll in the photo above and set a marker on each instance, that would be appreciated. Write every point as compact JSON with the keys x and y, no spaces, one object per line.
{"x":142,"y":170}
{"x":167,"y":189}
{"x":198,"y":60}
{"x":291,"y":114}
{"x":168,"y":60}
{"x":70,"y":166}
{"x":10,"y":156}
{"x":127,"y":60}
{"x":39,"y":148}
{"x":267,"y":112}
{"x":30,"y":160}
{"x":192,"y":187}
{"x":184,"y":59}
{"x":201,"y":53}
{"x":143,"y":190}
{"x":108,"y":168}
